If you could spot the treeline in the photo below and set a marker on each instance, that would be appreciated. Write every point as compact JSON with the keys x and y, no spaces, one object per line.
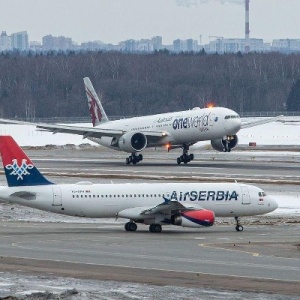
{"x":135,"y":84}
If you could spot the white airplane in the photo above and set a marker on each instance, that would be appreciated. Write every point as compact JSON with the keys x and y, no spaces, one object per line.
{"x":171,"y":130}
{"x":183,"y":204}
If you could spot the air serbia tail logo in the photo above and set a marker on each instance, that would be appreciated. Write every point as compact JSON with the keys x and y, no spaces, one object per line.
{"x":95,"y":111}
{"x":19,"y":169}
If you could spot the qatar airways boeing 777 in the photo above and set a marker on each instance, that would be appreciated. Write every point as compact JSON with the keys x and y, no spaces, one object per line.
{"x":171,"y":130}
{"x":156,"y":204}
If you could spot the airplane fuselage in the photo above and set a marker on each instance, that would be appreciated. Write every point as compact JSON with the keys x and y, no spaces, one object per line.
{"x":185,"y":127}
{"x":107,"y":200}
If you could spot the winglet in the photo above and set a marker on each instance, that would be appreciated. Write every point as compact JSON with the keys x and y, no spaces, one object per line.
{"x":97,"y":112}
{"x":19,"y":169}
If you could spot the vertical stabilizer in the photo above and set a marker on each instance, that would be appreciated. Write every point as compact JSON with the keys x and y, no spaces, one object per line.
{"x":97,"y":112}
{"x":19,"y":169}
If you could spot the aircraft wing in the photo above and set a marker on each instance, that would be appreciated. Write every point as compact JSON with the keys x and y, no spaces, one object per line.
{"x":260,"y":122}
{"x":169,"y":206}
{"x":95,"y":132}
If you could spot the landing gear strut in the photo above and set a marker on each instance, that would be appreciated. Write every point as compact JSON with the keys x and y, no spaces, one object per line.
{"x":185,"y":157}
{"x":238,"y":226}
{"x":134,"y":159}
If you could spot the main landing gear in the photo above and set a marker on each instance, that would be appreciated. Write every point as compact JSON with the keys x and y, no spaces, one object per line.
{"x":131,"y":226}
{"x":155,"y":228}
{"x":238,"y":226}
{"x":134,"y":159}
{"x":185,"y":157}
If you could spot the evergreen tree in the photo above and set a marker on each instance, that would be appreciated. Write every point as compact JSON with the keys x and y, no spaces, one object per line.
{"x":293,"y":99}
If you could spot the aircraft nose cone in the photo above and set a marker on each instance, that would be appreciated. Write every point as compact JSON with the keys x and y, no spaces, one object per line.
{"x":272,"y":204}
{"x":236,"y":125}
{"x":233,"y":126}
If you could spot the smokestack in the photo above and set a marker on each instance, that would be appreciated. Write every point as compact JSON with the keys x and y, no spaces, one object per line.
{"x":247,"y":30}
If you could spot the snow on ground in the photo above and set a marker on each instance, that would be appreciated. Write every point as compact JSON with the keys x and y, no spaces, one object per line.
{"x":50,"y":287}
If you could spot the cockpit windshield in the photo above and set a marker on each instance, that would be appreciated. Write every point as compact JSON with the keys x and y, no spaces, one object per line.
{"x":262,"y":194}
{"x":232,"y":117}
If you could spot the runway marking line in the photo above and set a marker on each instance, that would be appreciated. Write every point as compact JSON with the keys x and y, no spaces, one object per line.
{"x":233,"y":250}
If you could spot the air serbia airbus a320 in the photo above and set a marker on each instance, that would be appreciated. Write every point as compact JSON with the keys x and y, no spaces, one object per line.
{"x":171,"y":130}
{"x":156,"y":204}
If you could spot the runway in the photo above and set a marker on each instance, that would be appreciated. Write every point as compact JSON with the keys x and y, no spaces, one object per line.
{"x":248,"y":167}
{"x":261,"y":258}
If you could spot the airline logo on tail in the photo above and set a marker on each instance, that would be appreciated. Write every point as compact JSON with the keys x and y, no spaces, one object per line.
{"x":95,"y":111}
{"x":21,"y":170}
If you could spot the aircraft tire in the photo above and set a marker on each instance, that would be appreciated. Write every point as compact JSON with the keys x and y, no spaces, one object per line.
{"x":140,"y":157}
{"x":127,"y":161}
{"x":156,"y":228}
{"x":178,"y":160}
{"x":191,"y":157}
{"x":130,"y":226}
{"x":239,"y":228}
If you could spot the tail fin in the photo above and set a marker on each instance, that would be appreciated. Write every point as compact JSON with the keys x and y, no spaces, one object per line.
{"x":97,"y":112}
{"x":19,"y":169}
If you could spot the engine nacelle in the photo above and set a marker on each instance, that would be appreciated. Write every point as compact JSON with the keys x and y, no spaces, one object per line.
{"x":132,"y":142}
{"x":194,"y":218}
{"x":220,"y":145}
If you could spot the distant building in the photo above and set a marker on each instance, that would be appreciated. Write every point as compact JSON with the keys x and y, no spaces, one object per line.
{"x":156,"y":42}
{"x":35,"y":46}
{"x":62,"y":43}
{"x":286,"y":45}
{"x":19,"y":41}
{"x":5,"y":42}
{"x":95,"y":45}
{"x":145,"y":45}
{"x":221,"y":45}
{"x":189,"y":45}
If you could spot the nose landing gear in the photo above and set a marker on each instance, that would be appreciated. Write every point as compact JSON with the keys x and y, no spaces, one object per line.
{"x":134,"y":159}
{"x":238,"y":226}
{"x":185,"y":157}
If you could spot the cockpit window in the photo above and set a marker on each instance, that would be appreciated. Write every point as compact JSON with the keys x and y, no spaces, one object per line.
{"x":232,"y":117}
{"x":262,"y":194}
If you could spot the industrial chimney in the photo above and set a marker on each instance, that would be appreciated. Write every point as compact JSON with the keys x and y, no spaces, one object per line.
{"x":247,"y":30}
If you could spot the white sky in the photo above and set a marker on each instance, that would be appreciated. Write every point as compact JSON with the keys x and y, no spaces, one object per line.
{"x":114,"y":20}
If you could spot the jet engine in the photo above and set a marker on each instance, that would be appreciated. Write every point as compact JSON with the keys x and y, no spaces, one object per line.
{"x":226,"y":144}
{"x":194,"y":218}
{"x":132,"y":142}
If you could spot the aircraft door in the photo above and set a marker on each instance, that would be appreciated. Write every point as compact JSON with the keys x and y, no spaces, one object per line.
{"x":212,"y":119}
{"x":245,"y":195}
{"x":57,"y":197}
